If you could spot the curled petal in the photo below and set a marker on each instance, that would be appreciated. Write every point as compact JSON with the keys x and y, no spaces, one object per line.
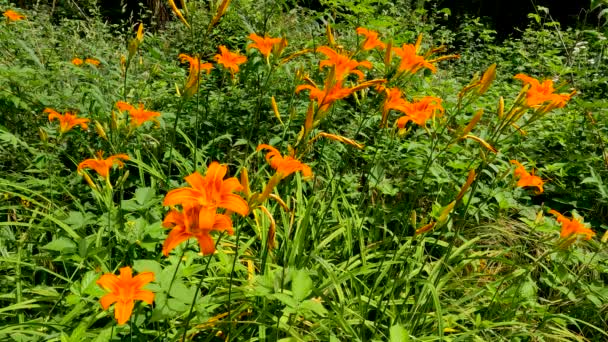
{"x":175,"y":237}
{"x":184,"y":196}
{"x":206,"y":243}
{"x":231,"y":185}
{"x":223,"y":223}
{"x":195,"y":180}
{"x":235,"y":203}
{"x":173,"y":218}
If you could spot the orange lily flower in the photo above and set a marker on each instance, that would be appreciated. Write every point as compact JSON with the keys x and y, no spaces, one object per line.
{"x":410,"y":61}
{"x":77,"y":61}
{"x":343,"y":64}
{"x":393,"y":101}
{"x":124,"y":290}
{"x":326,"y":97}
{"x":419,"y":111}
{"x":540,"y":93}
{"x":195,"y":69}
{"x":284,"y":165}
{"x":371,"y":39}
{"x":570,"y":227}
{"x":138,"y":115}
{"x":264,"y":45}
{"x":13,"y":16}
{"x":527,"y":179}
{"x":230,"y":60}
{"x":190,"y":224}
{"x":333,"y":92}
{"x":209,"y":192}
{"x":67,"y":121}
{"x":92,"y":61}
{"x":102,"y":166}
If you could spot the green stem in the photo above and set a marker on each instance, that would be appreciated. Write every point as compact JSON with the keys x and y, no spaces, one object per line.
{"x":236,"y":256}
{"x":198,"y":287}
{"x":19,"y":294}
{"x":177,"y":116}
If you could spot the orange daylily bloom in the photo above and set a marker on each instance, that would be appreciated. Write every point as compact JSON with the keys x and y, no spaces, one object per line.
{"x":333,"y":91}
{"x":124,"y":291}
{"x":230,"y":60}
{"x":540,"y":93}
{"x":138,"y":115}
{"x":264,"y":45}
{"x":93,"y":61}
{"x":393,"y":100}
{"x":410,"y":61}
{"x":77,"y":61}
{"x":326,"y":97}
{"x":571,"y":227}
{"x":102,"y":166}
{"x":342,"y":64}
{"x":67,"y":121}
{"x":194,"y":222}
{"x":527,"y":179}
{"x":284,"y":165}
{"x":13,"y":16}
{"x":419,"y":111}
{"x":195,"y":70}
{"x":371,"y":39}
{"x":209,"y":192}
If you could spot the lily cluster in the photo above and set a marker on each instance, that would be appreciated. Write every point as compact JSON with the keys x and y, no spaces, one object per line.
{"x":205,"y":207}
{"x":207,"y":204}
{"x":542,"y":96}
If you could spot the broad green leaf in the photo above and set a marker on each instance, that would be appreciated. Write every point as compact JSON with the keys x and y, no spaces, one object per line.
{"x":145,"y":265}
{"x":62,"y":244}
{"x":398,"y":334}
{"x":143,"y":195}
{"x":301,"y":285}
{"x":181,"y":292}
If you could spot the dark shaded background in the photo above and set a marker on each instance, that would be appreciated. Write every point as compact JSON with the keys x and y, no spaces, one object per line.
{"x":510,"y":16}
{"x":507,"y":17}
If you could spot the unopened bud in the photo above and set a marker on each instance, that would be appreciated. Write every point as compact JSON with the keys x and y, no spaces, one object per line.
{"x":89,"y":180}
{"x":100,"y":131}
{"x":44,"y":137}
{"x":122,"y":179}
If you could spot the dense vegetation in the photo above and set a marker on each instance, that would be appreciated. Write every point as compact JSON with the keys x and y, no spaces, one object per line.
{"x":258,"y":170}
